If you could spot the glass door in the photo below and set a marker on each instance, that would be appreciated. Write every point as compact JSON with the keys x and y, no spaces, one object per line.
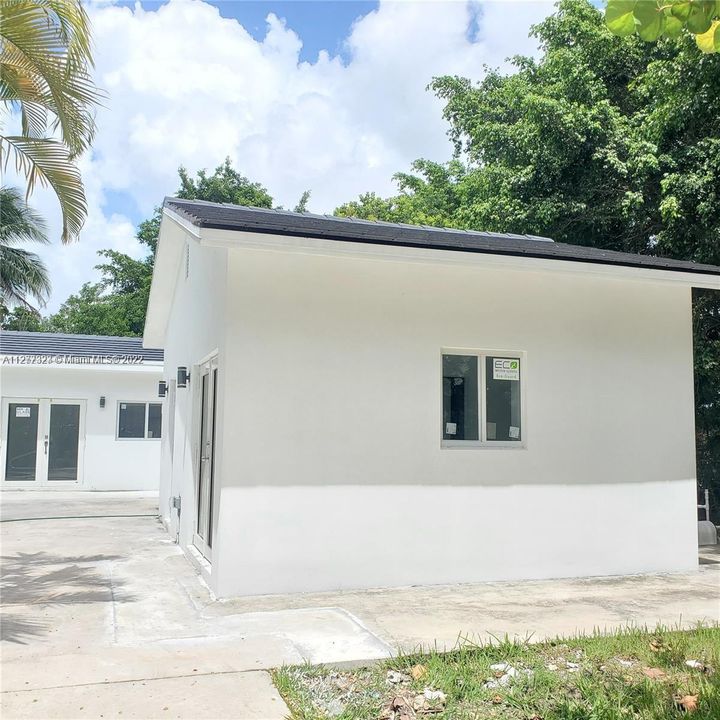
{"x":63,"y":442}
{"x":206,"y":466}
{"x":21,"y":441}
{"x":43,"y":441}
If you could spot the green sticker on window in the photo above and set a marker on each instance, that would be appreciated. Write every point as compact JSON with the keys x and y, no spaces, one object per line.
{"x":506,"y":369}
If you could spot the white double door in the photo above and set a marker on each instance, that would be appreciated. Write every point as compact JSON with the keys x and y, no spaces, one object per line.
{"x":43,"y":442}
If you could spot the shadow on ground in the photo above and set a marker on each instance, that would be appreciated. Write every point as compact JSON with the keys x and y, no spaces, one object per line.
{"x":45,"y":579}
{"x":18,"y":629}
{"x":709,"y":555}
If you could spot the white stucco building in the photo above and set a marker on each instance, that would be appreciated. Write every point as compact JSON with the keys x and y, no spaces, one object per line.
{"x":79,"y":412}
{"x":375,"y":405}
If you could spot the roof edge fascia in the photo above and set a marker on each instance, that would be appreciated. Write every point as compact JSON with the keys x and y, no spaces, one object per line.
{"x":174,"y":231}
{"x":239,"y":239}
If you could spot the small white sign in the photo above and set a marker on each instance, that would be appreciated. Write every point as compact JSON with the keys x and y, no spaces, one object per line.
{"x":514,"y":432}
{"x":451,"y":428}
{"x":506,"y":369}
{"x":21,"y":411}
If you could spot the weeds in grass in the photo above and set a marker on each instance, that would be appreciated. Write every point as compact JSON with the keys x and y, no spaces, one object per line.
{"x":596,"y":677}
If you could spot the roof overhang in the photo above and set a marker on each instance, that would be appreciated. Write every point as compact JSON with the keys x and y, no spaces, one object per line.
{"x":401,"y":253}
{"x":176,"y":230}
{"x":174,"y":233}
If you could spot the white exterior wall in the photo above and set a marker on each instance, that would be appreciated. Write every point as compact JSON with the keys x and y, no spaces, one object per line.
{"x":332,"y":472}
{"x":107,"y":463}
{"x":195,"y":331}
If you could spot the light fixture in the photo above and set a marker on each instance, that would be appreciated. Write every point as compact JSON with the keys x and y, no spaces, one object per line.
{"x":183,"y":377}
{"x":162,"y":388}
{"x":102,"y":401}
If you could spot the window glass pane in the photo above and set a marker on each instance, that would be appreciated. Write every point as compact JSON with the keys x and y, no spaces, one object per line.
{"x":502,"y":386}
{"x":154,"y":420}
{"x":22,"y":427}
{"x":131,"y":420}
{"x":63,"y":442}
{"x":460,"y":397}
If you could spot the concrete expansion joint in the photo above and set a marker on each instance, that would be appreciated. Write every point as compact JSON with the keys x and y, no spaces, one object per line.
{"x":360,"y":623}
{"x":135,"y":680}
{"x":113,"y":604}
{"x":73,"y":517}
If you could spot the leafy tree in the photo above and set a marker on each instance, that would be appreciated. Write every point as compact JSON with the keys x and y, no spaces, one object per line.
{"x":23,"y":274}
{"x":653,"y":19}
{"x":706,"y":334}
{"x":604,"y":141}
{"x":92,"y":312}
{"x":225,"y":185}
{"x":117,"y":304}
{"x":301,"y":206}
{"x":45,"y":56}
{"x":149,"y":231}
{"x":114,"y":306}
{"x":431,"y":198}
{"x":20,"y":318}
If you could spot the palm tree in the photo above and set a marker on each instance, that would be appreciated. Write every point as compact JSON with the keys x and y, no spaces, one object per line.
{"x":45,"y":57}
{"x":22,"y":273}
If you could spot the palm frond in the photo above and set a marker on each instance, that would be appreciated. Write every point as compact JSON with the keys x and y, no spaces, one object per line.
{"x":19,"y":223}
{"x":74,"y":29}
{"x":48,"y":162}
{"x":33,"y":47}
{"x":45,"y":56}
{"x":22,"y":274}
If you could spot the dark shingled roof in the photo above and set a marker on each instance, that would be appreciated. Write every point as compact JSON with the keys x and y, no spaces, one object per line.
{"x":221,"y":216}
{"x":37,"y":343}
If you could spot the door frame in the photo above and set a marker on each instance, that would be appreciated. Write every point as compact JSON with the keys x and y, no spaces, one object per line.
{"x":207,"y":366}
{"x":41,"y":468}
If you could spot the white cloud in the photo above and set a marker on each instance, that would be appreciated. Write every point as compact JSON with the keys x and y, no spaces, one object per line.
{"x":189,"y":87}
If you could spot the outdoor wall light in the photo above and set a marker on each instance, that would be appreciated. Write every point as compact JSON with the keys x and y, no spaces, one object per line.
{"x":162,"y":388}
{"x":183,"y":377}
{"x":102,"y":401}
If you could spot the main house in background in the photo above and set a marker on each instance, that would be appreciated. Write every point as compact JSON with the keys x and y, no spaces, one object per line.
{"x":355,"y":404}
{"x":79,"y":412}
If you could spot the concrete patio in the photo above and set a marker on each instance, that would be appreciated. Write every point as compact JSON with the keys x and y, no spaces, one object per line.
{"x":103,"y":614}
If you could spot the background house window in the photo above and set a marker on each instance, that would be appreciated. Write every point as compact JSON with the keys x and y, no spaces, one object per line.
{"x":154,"y":423}
{"x":482,"y":398}
{"x":139,"y":421}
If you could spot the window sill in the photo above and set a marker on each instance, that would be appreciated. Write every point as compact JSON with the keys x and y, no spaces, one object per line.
{"x":119,"y":439}
{"x":490,"y":445}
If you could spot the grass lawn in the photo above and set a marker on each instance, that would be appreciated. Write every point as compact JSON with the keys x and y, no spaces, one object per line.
{"x":632,"y":674}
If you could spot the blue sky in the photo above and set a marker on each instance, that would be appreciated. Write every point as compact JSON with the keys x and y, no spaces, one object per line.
{"x":329,"y":97}
{"x":321,"y":24}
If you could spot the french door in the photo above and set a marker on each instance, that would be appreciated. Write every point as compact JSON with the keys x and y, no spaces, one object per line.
{"x":43,"y":441}
{"x":205,"y":485}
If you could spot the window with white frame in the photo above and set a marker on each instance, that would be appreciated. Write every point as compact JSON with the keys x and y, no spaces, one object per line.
{"x":482,"y":396}
{"x":139,"y":421}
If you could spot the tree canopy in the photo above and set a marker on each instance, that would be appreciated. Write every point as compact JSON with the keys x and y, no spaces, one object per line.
{"x":225,"y":185}
{"x":603,"y":141}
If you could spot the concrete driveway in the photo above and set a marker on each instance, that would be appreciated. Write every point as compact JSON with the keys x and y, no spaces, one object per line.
{"x":103,"y":616}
